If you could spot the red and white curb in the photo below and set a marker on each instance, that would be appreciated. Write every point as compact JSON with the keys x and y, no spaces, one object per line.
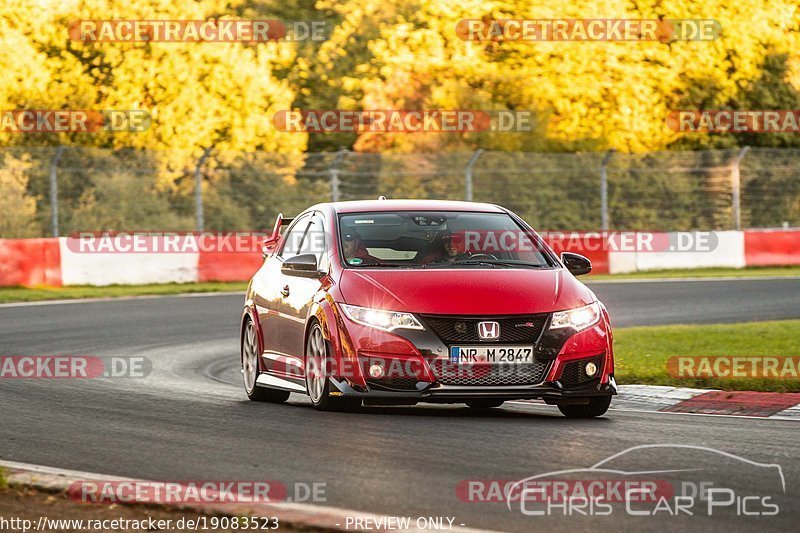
{"x":666,"y":399}
{"x":296,"y":515}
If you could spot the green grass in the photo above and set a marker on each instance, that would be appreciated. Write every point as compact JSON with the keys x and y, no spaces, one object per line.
{"x":33,"y":294}
{"x":3,"y":481}
{"x":701,"y":273}
{"x":642,"y":352}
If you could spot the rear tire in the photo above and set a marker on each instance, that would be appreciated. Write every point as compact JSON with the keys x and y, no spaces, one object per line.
{"x":597,"y":406}
{"x":250,"y":370}
{"x":484,"y":403}
{"x":317,"y":370}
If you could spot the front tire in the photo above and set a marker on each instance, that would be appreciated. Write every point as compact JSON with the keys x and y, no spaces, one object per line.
{"x":317,"y":370}
{"x":250,"y":370}
{"x":597,"y":406}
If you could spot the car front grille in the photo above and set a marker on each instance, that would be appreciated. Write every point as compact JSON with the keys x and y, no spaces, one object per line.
{"x":574,"y":371}
{"x":448,"y":373}
{"x":518,"y":329}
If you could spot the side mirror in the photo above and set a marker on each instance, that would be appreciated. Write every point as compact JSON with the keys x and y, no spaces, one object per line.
{"x":576,"y":263}
{"x":303,"y":266}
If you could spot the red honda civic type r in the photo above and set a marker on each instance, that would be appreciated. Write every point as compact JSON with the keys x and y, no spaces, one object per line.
{"x":395,"y":302}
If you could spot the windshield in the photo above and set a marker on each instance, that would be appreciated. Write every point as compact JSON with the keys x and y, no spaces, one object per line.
{"x":445,"y":239}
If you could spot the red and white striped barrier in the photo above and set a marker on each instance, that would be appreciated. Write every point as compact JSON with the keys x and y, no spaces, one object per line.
{"x":625,"y":252}
{"x":771,"y":247}
{"x":683,"y":250}
{"x":57,"y":262}
{"x":30,"y":262}
{"x":121,"y":268}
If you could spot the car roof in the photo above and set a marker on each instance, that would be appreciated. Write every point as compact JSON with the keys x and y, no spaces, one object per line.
{"x":360,"y":206}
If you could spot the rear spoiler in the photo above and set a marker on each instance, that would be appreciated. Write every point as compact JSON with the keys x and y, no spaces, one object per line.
{"x":279,"y":223}
{"x":271,"y":240}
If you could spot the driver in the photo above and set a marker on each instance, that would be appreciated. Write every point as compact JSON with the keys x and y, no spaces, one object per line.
{"x":453,"y":249}
{"x":355,"y":253}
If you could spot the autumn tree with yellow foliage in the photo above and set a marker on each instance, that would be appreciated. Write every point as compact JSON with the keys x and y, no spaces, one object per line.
{"x":379,"y":54}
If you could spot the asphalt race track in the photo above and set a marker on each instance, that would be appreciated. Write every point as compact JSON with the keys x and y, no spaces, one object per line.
{"x":190,"y":420}
{"x":646,"y":303}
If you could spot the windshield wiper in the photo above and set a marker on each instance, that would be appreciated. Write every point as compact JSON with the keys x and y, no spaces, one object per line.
{"x":386,"y":265}
{"x":493,"y":262}
{"x":514,"y":262}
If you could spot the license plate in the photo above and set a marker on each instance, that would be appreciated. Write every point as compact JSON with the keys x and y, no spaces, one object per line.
{"x":491,"y":354}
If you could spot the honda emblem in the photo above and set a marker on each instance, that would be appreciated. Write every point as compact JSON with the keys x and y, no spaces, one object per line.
{"x":489,"y":330}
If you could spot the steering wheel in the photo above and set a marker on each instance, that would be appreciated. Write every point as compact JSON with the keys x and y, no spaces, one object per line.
{"x":482,"y":256}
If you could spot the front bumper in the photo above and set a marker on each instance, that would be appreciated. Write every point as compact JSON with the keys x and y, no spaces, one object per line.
{"x":557,"y":374}
{"x":435,"y":392}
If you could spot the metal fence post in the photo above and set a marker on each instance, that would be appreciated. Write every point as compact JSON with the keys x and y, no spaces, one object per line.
{"x":468,"y":173}
{"x":334,"y":172}
{"x":198,"y":190}
{"x":604,"y":223}
{"x":54,"y":190}
{"x":736,"y":188}
{"x":334,"y":184}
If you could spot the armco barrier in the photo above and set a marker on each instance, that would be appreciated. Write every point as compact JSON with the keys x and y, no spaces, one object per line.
{"x":54,"y":262}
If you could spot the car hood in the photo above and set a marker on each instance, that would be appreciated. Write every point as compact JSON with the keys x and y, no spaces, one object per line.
{"x":505,"y":291}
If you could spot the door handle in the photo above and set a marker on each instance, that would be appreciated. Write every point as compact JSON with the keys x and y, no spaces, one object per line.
{"x":285,"y":291}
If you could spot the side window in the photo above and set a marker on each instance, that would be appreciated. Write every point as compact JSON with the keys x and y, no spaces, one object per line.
{"x":294,"y":239}
{"x":314,"y":241}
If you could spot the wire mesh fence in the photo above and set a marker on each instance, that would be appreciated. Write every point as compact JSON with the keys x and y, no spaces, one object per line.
{"x":59,"y":190}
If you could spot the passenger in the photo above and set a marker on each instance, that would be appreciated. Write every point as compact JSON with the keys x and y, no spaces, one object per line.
{"x":355,"y":253}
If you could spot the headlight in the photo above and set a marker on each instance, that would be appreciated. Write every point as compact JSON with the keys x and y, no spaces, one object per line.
{"x":580,"y":318}
{"x":378,"y":318}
